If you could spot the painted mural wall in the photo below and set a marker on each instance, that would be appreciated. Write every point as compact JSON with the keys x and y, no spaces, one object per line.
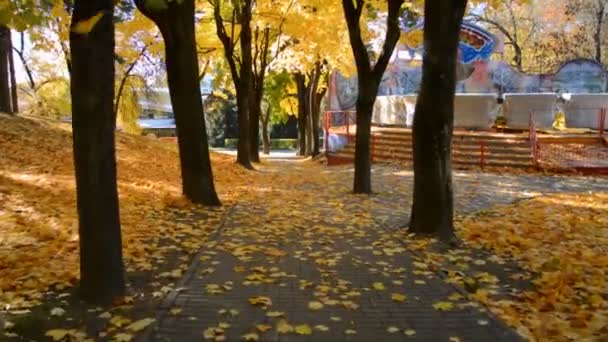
{"x":475,"y":69}
{"x":576,"y":76}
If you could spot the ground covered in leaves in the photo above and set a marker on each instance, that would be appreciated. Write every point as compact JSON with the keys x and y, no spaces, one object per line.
{"x":292,"y":230}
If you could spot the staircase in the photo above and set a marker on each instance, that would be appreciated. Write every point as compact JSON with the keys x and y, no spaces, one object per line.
{"x":469,"y":149}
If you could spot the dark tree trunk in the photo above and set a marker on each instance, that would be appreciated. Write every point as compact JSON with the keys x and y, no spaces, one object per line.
{"x":369,"y":78}
{"x":265,"y":133}
{"x":302,"y":112}
{"x":242,"y":74}
{"x":26,"y":67}
{"x":11,"y":68}
{"x":363,"y":158}
{"x":93,"y":125}
{"x":246,"y":85}
{"x":5,"y":93}
{"x":316,"y":114}
{"x":309,"y":136}
{"x":176,"y":24}
{"x":254,"y":126}
{"x":597,"y":36}
{"x":432,"y":211}
{"x":315,"y":108}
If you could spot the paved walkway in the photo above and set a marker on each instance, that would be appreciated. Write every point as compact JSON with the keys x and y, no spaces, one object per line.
{"x":311,"y":263}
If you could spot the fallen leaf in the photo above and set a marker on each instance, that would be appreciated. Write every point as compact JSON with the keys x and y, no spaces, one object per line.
{"x":378,"y":286}
{"x":263,"y":327}
{"x":140,"y":325}
{"x":392,"y":330}
{"x":57,"y":312}
{"x":443,"y":306}
{"x":250,"y":337}
{"x":315,"y":305}
{"x":397,"y":297}
{"x":303,"y":329}
{"x":260,"y":300}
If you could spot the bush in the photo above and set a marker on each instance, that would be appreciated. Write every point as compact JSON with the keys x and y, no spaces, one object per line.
{"x":275,"y":144}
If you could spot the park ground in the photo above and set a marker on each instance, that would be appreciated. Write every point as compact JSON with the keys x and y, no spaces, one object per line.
{"x":293,"y":255}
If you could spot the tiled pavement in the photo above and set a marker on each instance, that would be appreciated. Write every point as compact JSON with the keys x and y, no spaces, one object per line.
{"x":336,"y":259}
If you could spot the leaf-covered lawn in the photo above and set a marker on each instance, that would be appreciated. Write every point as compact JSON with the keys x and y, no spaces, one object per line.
{"x":563,"y":240}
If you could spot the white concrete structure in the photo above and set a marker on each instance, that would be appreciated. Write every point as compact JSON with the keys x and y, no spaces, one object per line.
{"x":583,"y":110}
{"x":517,"y":108}
{"x":474,"y":111}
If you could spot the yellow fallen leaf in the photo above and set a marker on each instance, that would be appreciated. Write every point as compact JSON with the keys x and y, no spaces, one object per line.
{"x":350,"y":331}
{"x":378,"y":286}
{"x":409,"y":332}
{"x":175,"y":311}
{"x":250,"y":337}
{"x":57,"y":312}
{"x":140,"y":325}
{"x":397,"y":297}
{"x":119,"y":321}
{"x":57,"y":334}
{"x":321,"y":327}
{"x":443,"y":306}
{"x":273,"y":314}
{"x":260,"y":300}
{"x":105,"y":315}
{"x":392,"y":330}
{"x":263,"y":327}
{"x":315,"y":305}
{"x":303,"y":329}
{"x":283,"y":327}
{"x":123,"y":337}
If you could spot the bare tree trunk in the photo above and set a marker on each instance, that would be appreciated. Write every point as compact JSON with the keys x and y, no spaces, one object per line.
{"x":432,"y":210}
{"x":597,"y":37}
{"x":26,"y":67}
{"x":265,"y":132}
{"x":302,"y":112}
{"x":363,"y":157}
{"x":176,"y":24}
{"x":11,"y":67}
{"x":5,"y":93}
{"x":254,"y":125}
{"x":369,"y":81}
{"x":94,"y":123}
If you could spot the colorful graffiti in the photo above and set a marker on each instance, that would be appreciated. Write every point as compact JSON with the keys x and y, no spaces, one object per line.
{"x":476,"y":44}
{"x":576,"y":76}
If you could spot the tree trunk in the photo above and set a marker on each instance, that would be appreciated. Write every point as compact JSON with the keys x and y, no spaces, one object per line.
{"x":11,"y":67}
{"x":368,"y":82}
{"x":28,"y":70}
{"x":246,"y":84}
{"x":432,"y":211}
{"x":363,"y":158}
{"x":176,"y":24}
{"x":93,"y":125}
{"x":254,"y":125}
{"x":597,"y":36}
{"x":316,"y":113}
{"x":302,"y":113}
{"x":265,"y":133}
{"x":5,"y":93}
{"x":309,"y":124}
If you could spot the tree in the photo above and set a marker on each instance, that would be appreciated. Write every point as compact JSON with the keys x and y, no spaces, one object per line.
{"x":240,"y":66}
{"x":93,"y":124}
{"x":432,"y":209}
{"x":278,"y":104}
{"x":369,"y":77}
{"x":175,"y":20}
{"x":11,"y":70}
{"x":5,"y":93}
